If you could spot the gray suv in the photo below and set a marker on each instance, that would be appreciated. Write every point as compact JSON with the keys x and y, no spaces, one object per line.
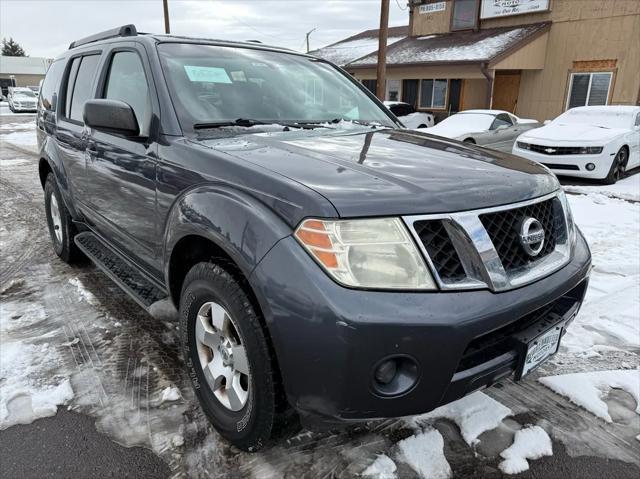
{"x":328,"y":264}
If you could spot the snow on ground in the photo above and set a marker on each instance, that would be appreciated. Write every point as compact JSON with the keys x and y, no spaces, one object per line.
{"x":22,"y":138}
{"x":424,"y":452}
{"x":589,"y":388}
{"x":626,"y":189}
{"x":474,"y":414}
{"x":5,"y":111}
{"x":531,"y":442}
{"x":612,"y":229}
{"x":382,"y":468}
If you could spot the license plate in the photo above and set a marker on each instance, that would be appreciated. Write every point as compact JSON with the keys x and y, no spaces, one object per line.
{"x":541,"y":348}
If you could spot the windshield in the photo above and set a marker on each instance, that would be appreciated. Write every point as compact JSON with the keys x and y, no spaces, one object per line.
{"x":606,"y":119}
{"x":214,"y":84}
{"x":476,"y":121}
{"x":23,"y":93}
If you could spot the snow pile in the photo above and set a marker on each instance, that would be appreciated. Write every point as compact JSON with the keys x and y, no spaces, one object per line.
{"x":529,"y":443}
{"x":474,"y":414}
{"x":587,"y":389}
{"x":28,"y":125}
{"x":87,"y":295}
{"x":382,"y":468}
{"x":22,"y":138}
{"x":626,"y":189}
{"x":424,"y":452}
{"x":170,"y":394}
{"x":31,"y":385}
{"x":611,"y":227}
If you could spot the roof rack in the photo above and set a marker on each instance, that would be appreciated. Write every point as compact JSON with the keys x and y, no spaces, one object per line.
{"x":123,"y":31}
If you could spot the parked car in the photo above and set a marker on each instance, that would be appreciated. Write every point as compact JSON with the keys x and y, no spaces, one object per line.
{"x":599,"y":142}
{"x":494,"y":129}
{"x":22,"y":100}
{"x":408,"y":115}
{"x":327,"y":264}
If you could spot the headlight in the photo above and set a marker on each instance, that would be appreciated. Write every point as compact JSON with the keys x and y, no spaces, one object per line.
{"x":569,"y":216}
{"x":366,"y":253}
{"x":591,"y":150}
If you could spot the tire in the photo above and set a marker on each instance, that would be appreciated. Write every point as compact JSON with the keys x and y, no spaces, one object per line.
{"x":61,"y":227}
{"x":248,"y":425}
{"x":423,"y":126}
{"x":469,"y":140}
{"x":618,"y":166}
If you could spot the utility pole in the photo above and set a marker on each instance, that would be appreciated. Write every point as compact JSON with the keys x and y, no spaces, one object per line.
{"x":309,"y":33}
{"x":165,"y":5}
{"x":382,"y":49}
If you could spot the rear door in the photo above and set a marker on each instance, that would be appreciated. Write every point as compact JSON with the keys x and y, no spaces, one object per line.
{"x":77,"y":87}
{"x":121,"y":170}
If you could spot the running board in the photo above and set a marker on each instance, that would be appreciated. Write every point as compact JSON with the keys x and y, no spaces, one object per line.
{"x":142,"y":289}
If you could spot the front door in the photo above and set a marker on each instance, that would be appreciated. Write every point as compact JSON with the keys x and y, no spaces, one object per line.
{"x":410,"y":92}
{"x":506,"y":86}
{"x":121,"y":171}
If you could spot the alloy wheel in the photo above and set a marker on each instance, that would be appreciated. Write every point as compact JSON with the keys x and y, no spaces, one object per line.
{"x":55,"y":217}
{"x":223,"y":357}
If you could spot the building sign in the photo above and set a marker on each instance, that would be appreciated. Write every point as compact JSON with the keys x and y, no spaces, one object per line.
{"x":502,"y":8}
{"x":433,"y":7}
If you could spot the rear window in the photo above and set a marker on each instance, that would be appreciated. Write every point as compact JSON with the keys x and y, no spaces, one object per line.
{"x":50,"y":85}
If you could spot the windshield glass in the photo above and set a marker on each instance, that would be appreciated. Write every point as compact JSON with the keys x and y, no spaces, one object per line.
{"x":607,"y":119}
{"x":23,"y":93}
{"x":214,"y":84}
{"x":476,"y":121}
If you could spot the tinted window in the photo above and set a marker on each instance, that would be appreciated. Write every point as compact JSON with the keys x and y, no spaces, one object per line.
{"x":589,"y":89}
{"x":127,"y":82}
{"x":71,"y":79}
{"x":82,"y":85}
{"x":433,"y":93}
{"x":50,"y":85}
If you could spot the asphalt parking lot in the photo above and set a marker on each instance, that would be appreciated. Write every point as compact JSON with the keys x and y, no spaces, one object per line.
{"x":126,"y":407}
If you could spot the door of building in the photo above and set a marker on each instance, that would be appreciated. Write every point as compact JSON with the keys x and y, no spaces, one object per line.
{"x":455,"y":87}
{"x":506,"y":86}
{"x":410,"y":92}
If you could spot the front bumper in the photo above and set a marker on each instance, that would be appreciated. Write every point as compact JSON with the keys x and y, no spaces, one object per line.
{"x":328,"y":338}
{"x":572,"y":165}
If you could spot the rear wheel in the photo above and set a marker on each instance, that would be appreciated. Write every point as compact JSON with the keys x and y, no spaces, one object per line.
{"x":618,"y":167}
{"x":227,"y":356}
{"x":61,"y":227}
{"x":469,"y":140}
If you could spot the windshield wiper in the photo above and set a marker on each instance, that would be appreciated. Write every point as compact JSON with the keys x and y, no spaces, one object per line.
{"x":338,"y":120}
{"x":242,"y":122}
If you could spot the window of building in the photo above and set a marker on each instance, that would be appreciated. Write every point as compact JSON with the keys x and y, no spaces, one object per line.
{"x":465,"y":14}
{"x":127,"y":82}
{"x":393,"y":90}
{"x":371,"y":85}
{"x":589,"y":89}
{"x":433,"y":93}
{"x":81,"y":86}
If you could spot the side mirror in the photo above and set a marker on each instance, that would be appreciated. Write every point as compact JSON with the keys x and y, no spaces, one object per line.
{"x":112,"y":116}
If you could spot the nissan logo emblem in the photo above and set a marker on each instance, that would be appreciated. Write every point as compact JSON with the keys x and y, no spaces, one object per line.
{"x":532,"y":236}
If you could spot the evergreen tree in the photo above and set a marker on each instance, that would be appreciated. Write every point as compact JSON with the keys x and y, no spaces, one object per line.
{"x":10,"y":48}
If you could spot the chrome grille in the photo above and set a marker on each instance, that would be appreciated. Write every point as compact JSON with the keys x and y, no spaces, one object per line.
{"x":482,"y":248}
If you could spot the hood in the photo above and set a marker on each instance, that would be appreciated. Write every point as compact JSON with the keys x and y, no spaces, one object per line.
{"x":572,"y":134}
{"x":392,"y":172}
{"x":450,"y":131}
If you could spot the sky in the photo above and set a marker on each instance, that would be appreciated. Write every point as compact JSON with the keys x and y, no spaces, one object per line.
{"x":45,"y":28}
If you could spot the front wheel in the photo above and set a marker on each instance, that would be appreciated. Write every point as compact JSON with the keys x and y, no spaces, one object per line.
{"x":227,"y":356}
{"x":469,"y":140}
{"x":618,"y":167}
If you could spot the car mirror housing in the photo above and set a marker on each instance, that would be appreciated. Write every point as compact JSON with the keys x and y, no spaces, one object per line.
{"x":111,"y":116}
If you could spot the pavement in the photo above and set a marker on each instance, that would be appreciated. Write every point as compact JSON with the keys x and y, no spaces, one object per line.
{"x":119,"y":360}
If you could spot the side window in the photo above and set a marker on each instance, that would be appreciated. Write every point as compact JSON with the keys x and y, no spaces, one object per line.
{"x":637,"y":120}
{"x":71,"y":81}
{"x":127,"y":82}
{"x":80,"y":86}
{"x":50,"y":85}
{"x":501,"y":120}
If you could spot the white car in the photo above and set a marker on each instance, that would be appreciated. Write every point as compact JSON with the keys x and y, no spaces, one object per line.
{"x":22,"y":99}
{"x":408,"y":115}
{"x":496,"y":129}
{"x":598,"y":142}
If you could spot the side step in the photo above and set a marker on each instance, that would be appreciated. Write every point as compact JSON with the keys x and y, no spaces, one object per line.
{"x":142,"y":289}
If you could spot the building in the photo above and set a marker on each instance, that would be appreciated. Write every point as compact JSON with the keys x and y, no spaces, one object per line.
{"x":22,"y":71}
{"x":535,"y":58}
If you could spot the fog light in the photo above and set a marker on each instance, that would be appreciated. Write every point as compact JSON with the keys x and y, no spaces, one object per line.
{"x":394,"y":375}
{"x":591,"y":166}
{"x":386,"y":371}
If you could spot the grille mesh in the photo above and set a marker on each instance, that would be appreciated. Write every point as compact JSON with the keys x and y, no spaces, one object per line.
{"x":443,"y":255}
{"x":503,"y":228}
